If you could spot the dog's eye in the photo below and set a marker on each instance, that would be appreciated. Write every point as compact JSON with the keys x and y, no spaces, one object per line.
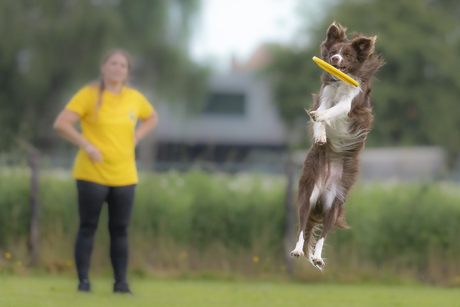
{"x":347,"y":55}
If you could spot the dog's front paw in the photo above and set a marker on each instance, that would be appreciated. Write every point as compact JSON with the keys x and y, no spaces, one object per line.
{"x":313,"y":115}
{"x":297,"y":253}
{"x":320,"y":138}
{"x":319,"y":116}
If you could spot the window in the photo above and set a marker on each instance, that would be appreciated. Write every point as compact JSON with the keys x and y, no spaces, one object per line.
{"x":225,"y":104}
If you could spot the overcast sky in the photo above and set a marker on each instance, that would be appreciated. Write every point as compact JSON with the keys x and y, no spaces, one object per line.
{"x":238,"y":27}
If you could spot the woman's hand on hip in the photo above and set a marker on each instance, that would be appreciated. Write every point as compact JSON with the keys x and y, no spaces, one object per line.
{"x":93,"y":153}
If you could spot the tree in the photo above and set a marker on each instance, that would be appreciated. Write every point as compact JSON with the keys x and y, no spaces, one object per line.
{"x":415,"y":100}
{"x":51,"y":48}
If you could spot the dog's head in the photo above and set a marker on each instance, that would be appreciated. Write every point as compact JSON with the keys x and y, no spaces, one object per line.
{"x":346,"y":55}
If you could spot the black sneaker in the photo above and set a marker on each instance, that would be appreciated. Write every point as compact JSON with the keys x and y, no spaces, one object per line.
{"x":84,"y":286}
{"x":121,"y":288}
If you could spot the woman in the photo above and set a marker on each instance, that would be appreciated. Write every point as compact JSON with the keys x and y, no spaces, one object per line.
{"x":105,"y":168}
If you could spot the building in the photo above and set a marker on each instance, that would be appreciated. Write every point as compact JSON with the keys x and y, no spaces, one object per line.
{"x":239,"y":127}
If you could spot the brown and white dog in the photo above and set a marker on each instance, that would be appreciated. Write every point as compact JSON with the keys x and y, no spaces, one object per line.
{"x":341,"y":117}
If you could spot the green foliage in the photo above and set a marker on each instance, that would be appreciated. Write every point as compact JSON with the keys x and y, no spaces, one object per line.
{"x":199,"y":209}
{"x":50,"y":49}
{"x":415,"y":99}
{"x":294,"y":82}
{"x":14,"y":216}
{"x":404,"y":225}
{"x":192,"y":209}
{"x":200,"y":222}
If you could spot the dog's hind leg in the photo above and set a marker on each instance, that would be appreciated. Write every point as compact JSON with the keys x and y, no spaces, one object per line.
{"x":305,"y":227}
{"x":298,"y":250}
{"x":309,"y":192}
{"x":307,"y":197}
{"x":303,"y":212}
{"x":330,"y":217}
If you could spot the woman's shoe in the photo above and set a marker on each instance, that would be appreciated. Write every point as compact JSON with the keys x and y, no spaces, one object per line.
{"x":122,"y":288}
{"x":84,"y":286}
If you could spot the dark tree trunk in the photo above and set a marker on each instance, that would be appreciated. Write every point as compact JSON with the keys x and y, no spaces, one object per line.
{"x":290,"y":215}
{"x":34,"y":246}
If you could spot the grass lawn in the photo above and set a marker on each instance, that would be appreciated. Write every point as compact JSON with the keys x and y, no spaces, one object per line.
{"x":16,"y":291}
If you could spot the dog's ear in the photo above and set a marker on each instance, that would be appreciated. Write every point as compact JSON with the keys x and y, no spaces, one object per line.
{"x":335,"y":34}
{"x":364,"y":46}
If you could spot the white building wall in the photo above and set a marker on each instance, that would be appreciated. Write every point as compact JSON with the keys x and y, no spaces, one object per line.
{"x":260,"y":125}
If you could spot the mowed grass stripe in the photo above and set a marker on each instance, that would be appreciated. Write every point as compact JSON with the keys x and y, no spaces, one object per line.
{"x":61,"y":291}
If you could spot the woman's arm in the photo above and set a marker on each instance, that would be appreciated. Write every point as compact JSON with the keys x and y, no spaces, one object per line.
{"x":146,"y":125}
{"x":64,"y":125}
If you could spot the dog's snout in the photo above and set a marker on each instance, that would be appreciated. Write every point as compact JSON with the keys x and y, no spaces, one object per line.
{"x":336,"y":59}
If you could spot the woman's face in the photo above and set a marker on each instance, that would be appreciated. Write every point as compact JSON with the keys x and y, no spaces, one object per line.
{"x":115,"y":69}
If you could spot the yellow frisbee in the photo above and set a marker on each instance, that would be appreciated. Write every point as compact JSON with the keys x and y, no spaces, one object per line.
{"x":332,"y":70}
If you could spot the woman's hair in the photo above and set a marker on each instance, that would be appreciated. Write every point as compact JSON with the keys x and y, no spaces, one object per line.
{"x":101,"y":80}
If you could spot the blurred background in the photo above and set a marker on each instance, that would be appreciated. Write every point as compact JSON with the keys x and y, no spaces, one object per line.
{"x":230,"y":81}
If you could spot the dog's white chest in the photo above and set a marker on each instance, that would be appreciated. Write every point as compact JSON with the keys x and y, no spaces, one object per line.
{"x":336,"y":93}
{"x":335,"y":101}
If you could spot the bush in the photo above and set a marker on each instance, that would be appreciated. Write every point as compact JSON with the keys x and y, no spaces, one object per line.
{"x":199,"y":222}
{"x":411,"y":227}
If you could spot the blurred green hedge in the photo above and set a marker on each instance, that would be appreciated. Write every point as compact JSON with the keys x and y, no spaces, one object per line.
{"x":222,"y":222}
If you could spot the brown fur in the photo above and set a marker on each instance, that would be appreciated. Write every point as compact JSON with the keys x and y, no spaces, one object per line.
{"x":363,"y":64}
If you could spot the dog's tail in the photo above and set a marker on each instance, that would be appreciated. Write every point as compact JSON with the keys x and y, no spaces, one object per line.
{"x":340,"y":221}
{"x":314,"y":229}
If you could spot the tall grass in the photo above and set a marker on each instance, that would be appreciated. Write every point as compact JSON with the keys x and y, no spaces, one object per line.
{"x":198,"y":223}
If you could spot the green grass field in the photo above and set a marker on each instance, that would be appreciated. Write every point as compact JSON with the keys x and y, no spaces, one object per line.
{"x":19,"y":291}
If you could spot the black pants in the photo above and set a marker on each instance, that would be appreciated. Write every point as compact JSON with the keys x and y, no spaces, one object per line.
{"x":91,"y":197}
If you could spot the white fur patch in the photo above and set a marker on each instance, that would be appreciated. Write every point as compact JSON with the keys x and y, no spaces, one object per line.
{"x":335,"y":104}
{"x":298,"y":250}
{"x":333,"y":187}
{"x":338,"y":57}
{"x":319,"y":248}
{"x":315,"y":193}
{"x":328,"y":189}
{"x":336,"y":99}
{"x":319,"y":132}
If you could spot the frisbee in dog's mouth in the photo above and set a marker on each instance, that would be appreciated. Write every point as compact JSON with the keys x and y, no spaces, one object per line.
{"x":335,"y":71}
{"x":341,"y":68}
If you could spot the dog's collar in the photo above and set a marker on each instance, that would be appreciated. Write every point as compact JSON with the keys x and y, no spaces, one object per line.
{"x":333,"y":78}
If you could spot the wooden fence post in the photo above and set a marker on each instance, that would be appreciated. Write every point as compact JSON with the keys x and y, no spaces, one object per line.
{"x":33,"y":157}
{"x":34,"y":241}
{"x":290,"y":215}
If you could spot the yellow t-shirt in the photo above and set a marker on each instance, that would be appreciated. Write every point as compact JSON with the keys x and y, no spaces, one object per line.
{"x":111,"y":130}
